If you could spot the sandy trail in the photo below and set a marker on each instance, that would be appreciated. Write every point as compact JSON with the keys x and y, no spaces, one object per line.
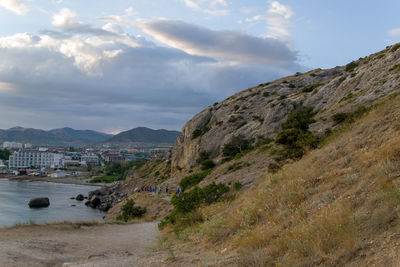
{"x":64,"y":245}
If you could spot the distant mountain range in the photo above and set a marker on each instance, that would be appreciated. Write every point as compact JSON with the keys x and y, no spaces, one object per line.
{"x":144,"y":135}
{"x":70,"y":137}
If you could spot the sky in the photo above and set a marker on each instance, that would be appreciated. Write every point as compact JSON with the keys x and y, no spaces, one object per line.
{"x":115,"y":65}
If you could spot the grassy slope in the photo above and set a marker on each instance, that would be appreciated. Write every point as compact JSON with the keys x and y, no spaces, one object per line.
{"x":339,"y":204}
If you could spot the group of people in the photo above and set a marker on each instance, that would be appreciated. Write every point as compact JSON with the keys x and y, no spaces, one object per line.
{"x":158,"y":189}
{"x":155,"y":189}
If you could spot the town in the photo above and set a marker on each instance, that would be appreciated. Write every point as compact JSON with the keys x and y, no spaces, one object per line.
{"x":21,"y":159}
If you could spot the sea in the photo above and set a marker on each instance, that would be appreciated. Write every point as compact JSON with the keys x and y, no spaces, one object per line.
{"x":15,"y":196}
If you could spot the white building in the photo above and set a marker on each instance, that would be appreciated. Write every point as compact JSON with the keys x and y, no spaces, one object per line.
{"x":91,"y":159}
{"x":12,"y":145}
{"x":36,"y":159}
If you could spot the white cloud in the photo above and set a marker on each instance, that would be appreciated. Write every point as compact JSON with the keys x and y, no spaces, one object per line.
{"x":17,"y":40}
{"x":394,"y":32}
{"x":65,"y":19}
{"x":234,"y":46}
{"x":14,"y":6}
{"x":208,"y":6}
{"x":278,"y":19}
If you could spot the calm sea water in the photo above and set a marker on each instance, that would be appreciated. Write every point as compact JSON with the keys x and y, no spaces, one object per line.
{"x":15,"y":195}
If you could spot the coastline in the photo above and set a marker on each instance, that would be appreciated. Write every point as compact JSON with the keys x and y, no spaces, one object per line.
{"x":78,"y":180}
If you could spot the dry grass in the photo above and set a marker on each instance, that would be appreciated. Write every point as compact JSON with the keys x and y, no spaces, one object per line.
{"x":321,"y":210}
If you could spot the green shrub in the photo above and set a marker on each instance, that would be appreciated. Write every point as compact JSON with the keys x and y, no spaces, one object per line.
{"x":340,"y":117}
{"x":188,"y":201}
{"x":232,"y":119}
{"x":292,"y":85}
{"x":237,"y":186}
{"x":273,"y":167}
{"x":106,"y":179}
{"x":185,"y":205}
{"x":122,"y":169}
{"x":349,"y":117}
{"x":200,"y":131}
{"x":311,"y":88}
{"x":193,"y":179}
{"x":347,"y":97}
{"x":351,"y":66}
{"x":295,"y":136}
{"x":300,"y":118}
{"x":394,"y":67}
{"x":395,"y":47}
{"x":238,"y":144}
{"x":129,"y":211}
{"x":266,"y":94}
{"x":207,"y":164}
{"x":237,"y":166}
{"x":205,"y":161}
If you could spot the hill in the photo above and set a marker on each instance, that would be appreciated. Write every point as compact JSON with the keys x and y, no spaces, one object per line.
{"x":143,"y":135}
{"x":311,"y":163}
{"x":56,"y":137}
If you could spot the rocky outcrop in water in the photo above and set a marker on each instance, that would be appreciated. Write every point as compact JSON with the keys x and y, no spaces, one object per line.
{"x":105,"y":198}
{"x":40,"y":202}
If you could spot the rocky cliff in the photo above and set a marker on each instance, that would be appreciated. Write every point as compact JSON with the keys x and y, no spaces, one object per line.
{"x":258,"y":112}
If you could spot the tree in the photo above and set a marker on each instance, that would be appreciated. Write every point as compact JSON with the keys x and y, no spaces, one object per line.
{"x":4,"y":154}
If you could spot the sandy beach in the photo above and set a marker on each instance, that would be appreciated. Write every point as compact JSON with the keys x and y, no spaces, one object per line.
{"x":76,"y":245}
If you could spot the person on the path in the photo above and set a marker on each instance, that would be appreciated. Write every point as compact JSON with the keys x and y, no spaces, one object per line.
{"x":166,"y":189}
{"x":178,"y":191}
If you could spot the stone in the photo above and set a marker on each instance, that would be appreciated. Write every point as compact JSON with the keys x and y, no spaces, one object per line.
{"x":40,"y":202}
{"x":80,"y":197}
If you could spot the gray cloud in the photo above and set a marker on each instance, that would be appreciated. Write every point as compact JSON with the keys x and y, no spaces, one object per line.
{"x":226,"y":45}
{"x":62,"y":79}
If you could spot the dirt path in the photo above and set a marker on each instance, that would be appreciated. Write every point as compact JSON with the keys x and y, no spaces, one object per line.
{"x":64,"y":245}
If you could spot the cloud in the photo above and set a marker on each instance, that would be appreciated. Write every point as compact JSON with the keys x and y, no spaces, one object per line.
{"x":65,"y":19}
{"x":394,"y":32}
{"x":233,"y":46}
{"x":101,"y":78}
{"x":278,"y":19}
{"x":14,"y":6}
{"x":198,"y":5}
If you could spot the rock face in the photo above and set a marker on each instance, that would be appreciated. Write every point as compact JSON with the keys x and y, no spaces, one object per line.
{"x":259,"y":111}
{"x":105,"y":198}
{"x":40,"y":202}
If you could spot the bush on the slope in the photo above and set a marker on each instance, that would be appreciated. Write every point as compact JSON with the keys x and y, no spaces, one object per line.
{"x":129,"y":211}
{"x":349,"y":117}
{"x":205,"y":161}
{"x":193,"y":179}
{"x":186,"y":203}
{"x":295,"y":136}
{"x":238,"y":144}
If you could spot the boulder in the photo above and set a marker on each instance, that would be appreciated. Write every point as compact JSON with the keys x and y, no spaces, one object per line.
{"x":80,"y":197}
{"x":40,"y":202}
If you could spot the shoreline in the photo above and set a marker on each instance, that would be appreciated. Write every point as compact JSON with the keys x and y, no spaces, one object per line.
{"x":77,"y":180}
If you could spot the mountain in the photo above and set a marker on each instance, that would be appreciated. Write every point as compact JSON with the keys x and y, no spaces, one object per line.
{"x":84,"y":136}
{"x":311,"y":163}
{"x":56,"y":137}
{"x":144,"y":135}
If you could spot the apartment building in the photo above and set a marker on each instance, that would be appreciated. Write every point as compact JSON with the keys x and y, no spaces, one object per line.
{"x":36,"y":159}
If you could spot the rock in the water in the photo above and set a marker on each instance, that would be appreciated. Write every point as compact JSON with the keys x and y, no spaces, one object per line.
{"x":39,"y":202}
{"x":71,"y":198}
{"x":80,"y":197}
